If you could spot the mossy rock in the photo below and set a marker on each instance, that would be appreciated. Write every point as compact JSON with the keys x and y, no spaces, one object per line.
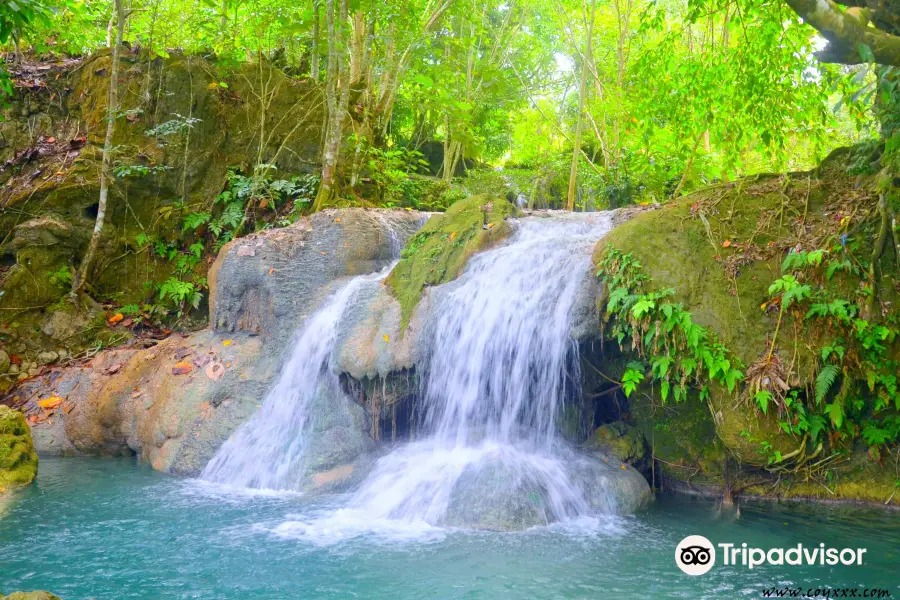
{"x":36,"y":595}
{"x":720,"y":249}
{"x":682,"y":436}
{"x":441,"y":249}
{"x":18,"y":460}
{"x":51,"y":200}
{"x":619,"y":439}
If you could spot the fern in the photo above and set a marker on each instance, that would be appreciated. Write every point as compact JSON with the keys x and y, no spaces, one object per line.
{"x":825,"y":380}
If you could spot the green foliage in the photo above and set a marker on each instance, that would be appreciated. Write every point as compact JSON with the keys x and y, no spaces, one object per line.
{"x":824,"y":380}
{"x":180,"y":294}
{"x":62,"y":277}
{"x":855,"y":393}
{"x":634,"y":375}
{"x":649,"y":324}
{"x":179,"y":124}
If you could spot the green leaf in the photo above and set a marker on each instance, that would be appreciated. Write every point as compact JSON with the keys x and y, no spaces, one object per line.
{"x":824,"y":380}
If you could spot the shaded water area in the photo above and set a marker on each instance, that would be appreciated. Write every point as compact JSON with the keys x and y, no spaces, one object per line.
{"x":113,"y":529}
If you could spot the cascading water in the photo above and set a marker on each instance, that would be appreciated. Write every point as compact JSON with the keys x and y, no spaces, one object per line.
{"x":495,"y":377}
{"x":268,"y":451}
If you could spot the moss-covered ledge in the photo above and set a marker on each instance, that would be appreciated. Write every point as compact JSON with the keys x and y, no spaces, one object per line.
{"x":18,"y":460}
{"x":716,"y":253}
{"x":440,"y":251}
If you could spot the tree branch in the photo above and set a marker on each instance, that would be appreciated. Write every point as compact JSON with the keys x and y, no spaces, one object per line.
{"x":846,"y":31}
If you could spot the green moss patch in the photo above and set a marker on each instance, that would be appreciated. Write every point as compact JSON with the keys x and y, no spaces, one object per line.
{"x":440,"y":251}
{"x":18,"y":460}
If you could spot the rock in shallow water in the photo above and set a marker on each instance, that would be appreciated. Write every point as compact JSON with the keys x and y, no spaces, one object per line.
{"x":511,"y":495}
{"x":18,"y":460}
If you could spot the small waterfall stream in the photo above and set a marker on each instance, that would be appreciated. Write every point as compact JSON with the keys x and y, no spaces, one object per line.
{"x":268,"y":451}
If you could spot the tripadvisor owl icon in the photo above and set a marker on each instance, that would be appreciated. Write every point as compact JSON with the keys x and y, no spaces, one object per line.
{"x":695,"y":555}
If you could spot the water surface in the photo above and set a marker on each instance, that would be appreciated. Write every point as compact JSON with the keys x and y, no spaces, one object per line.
{"x":113,"y":529}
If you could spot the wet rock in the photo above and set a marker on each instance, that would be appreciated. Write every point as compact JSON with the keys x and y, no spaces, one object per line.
{"x":13,"y":369}
{"x":504,"y":496}
{"x":129,"y":401}
{"x":36,"y":595}
{"x":4,"y":361}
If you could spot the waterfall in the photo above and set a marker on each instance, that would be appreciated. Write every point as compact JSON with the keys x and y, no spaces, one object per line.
{"x":268,"y":451}
{"x":500,"y":364}
{"x":496,"y":365}
{"x":493,"y":382}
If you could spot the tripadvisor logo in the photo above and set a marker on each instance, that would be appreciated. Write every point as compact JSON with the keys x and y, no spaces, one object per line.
{"x":696,"y":555}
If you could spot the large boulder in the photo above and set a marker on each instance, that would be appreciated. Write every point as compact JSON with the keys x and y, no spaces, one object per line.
{"x":51,"y":140}
{"x":18,"y":460}
{"x":506,"y":493}
{"x":174,"y":404}
{"x":719,"y":250}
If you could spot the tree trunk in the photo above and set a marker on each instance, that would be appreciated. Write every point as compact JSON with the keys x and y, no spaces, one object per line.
{"x":573,"y":173}
{"x":314,"y":59}
{"x":111,"y":111}
{"x":338,"y":97}
{"x":223,"y":20}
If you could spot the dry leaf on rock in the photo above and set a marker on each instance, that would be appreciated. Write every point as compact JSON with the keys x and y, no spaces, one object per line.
{"x":51,"y":402}
{"x":181,"y":368}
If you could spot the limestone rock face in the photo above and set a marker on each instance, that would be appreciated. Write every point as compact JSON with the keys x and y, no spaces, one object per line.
{"x":18,"y":460}
{"x":263,"y":287}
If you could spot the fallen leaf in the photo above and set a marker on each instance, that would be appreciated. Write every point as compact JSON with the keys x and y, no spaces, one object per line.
{"x":136,"y":394}
{"x":452,"y":235}
{"x":181,"y":368}
{"x":263,"y":203}
{"x":32,"y":419}
{"x":387,"y":338}
{"x":272,"y":270}
{"x":127,"y":322}
{"x":67,"y":408}
{"x":726,"y":243}
{"x":115,"y":318}
{"x":51,"y":140}
{"x":337,"y":220}
{"x":51,"y":402}
{"x":113,"y":368}
{"x":226,"y":343}
{"x":215,"y":371}
{"x":490,"y":225}
{"x":324,"y":253}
